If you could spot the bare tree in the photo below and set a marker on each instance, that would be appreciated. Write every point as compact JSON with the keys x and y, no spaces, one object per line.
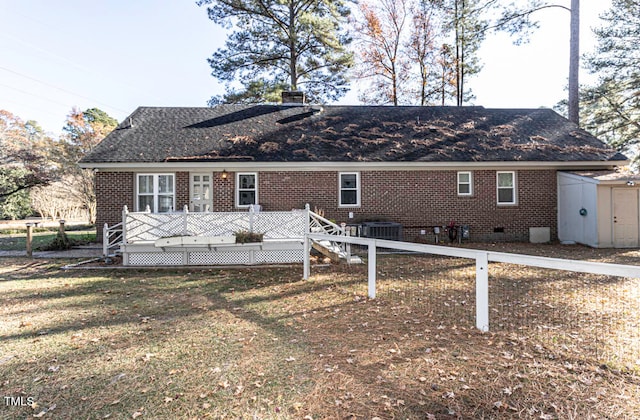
{"x":84,"y":130}
{"x":421,"y":50}
{"x":381,"y":29}
{"x":58,"y":200}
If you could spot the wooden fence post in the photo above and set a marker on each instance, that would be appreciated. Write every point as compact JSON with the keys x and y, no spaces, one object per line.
{"x":30,"y":240}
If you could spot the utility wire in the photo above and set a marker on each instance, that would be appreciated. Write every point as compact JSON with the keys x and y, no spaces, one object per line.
{"x":61,"y":89}
{"x":66,"y":60}
{"x":22,"y":104}
{"x":34,"y":95}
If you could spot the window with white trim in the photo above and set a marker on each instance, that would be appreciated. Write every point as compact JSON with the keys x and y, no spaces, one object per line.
{"x":506,"y":187}
{"x":465,"y":183}
{"x":156,"y":191}
{"x":246,"y":189}
{"x":349,"y":189}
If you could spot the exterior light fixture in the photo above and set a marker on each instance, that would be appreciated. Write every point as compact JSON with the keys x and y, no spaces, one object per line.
{"x":631,"y":183}
{"x":224,"y":174}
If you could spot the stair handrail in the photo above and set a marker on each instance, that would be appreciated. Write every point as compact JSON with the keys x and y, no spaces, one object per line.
{"x":112,"y":238}
{"x":330,"y":228}
{"x":327,"y":226}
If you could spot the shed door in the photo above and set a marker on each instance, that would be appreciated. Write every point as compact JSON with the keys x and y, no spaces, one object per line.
{"x":201,"y":194}
{"x":625,"y":218}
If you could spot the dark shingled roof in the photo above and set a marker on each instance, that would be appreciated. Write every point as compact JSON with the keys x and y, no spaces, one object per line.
{"x":281,"y":133}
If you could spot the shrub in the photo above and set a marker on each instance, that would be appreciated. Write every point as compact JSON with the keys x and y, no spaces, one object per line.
{"x":245,"y":236}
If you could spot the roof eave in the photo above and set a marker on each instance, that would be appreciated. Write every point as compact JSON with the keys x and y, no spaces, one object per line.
{"x":327,"y":166}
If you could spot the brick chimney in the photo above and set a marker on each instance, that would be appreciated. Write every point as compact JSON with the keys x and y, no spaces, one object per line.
{"x":293,"y":98}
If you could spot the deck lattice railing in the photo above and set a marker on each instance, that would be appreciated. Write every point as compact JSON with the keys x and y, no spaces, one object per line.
{"x":141,"y":227}
{"x":147,"y":226}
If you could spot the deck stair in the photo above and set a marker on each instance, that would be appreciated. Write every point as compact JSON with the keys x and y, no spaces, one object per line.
{"x":336,"y":251}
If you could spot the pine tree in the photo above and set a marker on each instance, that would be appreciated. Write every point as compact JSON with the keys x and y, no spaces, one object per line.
{"x":466,"y":21}
{"x":280,"y":45}
{"x":611,"y":109}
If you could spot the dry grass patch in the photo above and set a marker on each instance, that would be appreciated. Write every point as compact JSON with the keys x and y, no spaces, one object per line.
{"x":262,"y":343}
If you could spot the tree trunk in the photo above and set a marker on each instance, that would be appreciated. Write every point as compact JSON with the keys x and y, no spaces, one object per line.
{"x":292,"y":48}
{"x":458,"y":65}
{"x":574,"y":63}
{"x":444,"y":81}
{"x":394,"y":84}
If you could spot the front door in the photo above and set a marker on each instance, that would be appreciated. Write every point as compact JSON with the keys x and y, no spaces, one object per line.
{"x":201,"y":194}
{"x":625,"y":218}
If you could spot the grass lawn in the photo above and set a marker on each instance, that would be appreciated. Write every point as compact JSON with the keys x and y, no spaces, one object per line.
{"x":17,"y":241}
{"x":262,"y":343}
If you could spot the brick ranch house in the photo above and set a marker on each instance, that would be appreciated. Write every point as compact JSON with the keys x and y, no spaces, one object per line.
{"x":495,"y":170}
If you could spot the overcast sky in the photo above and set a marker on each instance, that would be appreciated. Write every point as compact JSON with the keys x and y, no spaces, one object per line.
{"x":117,"y":55}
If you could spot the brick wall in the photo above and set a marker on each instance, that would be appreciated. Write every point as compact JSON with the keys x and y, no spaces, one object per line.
{"x":420,"y":200}
{"x":182,"y":190}
{"x":223,"y":191}
{"x":113,"y":190}
{"x":416,"y":199}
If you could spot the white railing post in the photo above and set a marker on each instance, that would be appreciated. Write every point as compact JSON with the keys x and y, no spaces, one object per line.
{"x":105,"y":240}
{"x":307,"y":219}
{"x":185,"y":222}
{"x":252,"y":213}
{"x":371,"y":268}
{"x":346,"y":245}
{"x":307,"y":258}
{"x":482,"y":291}
{"x":125,"y":212}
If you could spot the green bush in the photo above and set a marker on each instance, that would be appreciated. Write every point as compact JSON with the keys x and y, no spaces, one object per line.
{"x":16,"y":206}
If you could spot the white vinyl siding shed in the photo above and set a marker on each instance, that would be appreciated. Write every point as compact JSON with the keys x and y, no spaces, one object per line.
{"x":599,"y":209}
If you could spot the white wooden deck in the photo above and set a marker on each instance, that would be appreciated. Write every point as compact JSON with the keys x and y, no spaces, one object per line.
{"x":185,"y":238}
